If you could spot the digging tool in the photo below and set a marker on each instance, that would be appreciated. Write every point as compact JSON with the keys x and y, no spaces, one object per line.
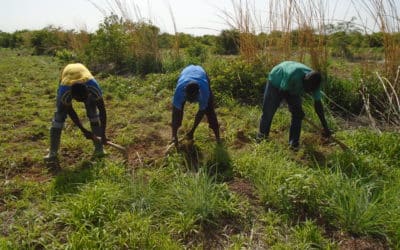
{"x":337,"y":141}
{"x":114,"y":145}
{"x":171,"y":144}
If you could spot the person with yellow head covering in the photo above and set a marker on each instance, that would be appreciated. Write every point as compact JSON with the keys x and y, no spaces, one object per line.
{"x":77,"y":83}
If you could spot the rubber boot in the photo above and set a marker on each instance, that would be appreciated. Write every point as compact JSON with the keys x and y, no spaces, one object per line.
{"x":98,"y":146}
{"x":55,"y":136}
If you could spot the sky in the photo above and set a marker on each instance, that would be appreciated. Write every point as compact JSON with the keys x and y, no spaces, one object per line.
{"x":191,"y":16}
{"x":196,"y":17}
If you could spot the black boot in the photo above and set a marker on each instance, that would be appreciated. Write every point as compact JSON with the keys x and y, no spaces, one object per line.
{"x":98,"y":145}
{"x":55,"y":136}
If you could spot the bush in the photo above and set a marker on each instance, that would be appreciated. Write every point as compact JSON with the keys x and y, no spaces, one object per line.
{"x":120,"y":46}
{"x":8,"y":40}
{"x":197,"y":53}
{"x":47,"y":41}
{"x":65,"y":55}
{"x":238,"y":79}
{"x":344,"y":92}
{"x":228,"y":42}
{"x":108,"y":48}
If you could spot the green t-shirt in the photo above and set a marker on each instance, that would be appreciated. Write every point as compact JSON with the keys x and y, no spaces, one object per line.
{"x":288,"y":76}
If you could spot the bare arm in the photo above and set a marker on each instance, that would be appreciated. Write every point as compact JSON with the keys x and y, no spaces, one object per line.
{"x":320,"y":112}
{"x":177,"y":116}
{"x":197,"y":120}
{"x":74,"y":117}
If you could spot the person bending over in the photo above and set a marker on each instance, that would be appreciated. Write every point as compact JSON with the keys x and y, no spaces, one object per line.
{"x":289,"y":80}
{"x":193,"y":86}
{"x":77,"y":83}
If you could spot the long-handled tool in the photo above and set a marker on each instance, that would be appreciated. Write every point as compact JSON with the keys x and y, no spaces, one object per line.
{"x":112,"y":144}
{"x":337,"y":141}
{"x":171,"y":144}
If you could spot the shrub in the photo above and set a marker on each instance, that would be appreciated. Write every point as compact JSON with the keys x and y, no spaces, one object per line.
{"x":345,"y":93}
{"x":197,"y":53}
{"x":121,"y":46}
{"x":47,"y":41}
{"x":8,"y":40}
{"x":108,"y":48}
{"x":228,"y":42}
{"x":238,"y":79}
{"x":65,"y":55}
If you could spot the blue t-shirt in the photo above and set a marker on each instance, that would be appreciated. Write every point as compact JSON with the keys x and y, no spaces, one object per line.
{"x":64,"y":92}
{"x":192,"y":73}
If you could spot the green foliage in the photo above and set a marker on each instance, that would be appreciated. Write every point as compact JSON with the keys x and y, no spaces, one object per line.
{"x":172,"y":61}
{"x":245,"y":195}
{"x":383,"y":146}
{"x":375,"y":39}
{"x":309,"y":236}
{"x":238,"y":79}
{"x":228,"y":42}
{"x":165,"y":41}
{"x":280,"y":183}
{"x":145,"y":48}
{"x":342,"y":92}
{"x":220,"y":164}
{"x":184,"y":40}
{"x":11,"y":40}
{"x":196,"y":200}
{"x":162,"y":82}
{"x":354,"y":206}
{"x":109,"y":46}
{"x":121,"y":46}
{"x":65,"y":56}
{"x":47,"y":41}
{"x":119,"y":87}
{"x":197,"y":53}
{"x":94,"y":205}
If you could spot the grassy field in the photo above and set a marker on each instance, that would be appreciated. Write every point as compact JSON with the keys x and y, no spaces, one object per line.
{"x":236,"y":195}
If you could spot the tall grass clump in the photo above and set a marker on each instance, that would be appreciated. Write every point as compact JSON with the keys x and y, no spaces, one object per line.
{"x":308,"y":235}
{"x":385,"y":17}
{"x":355,"y":206}
{"x":289,"y":30}
{"x":193,"y":202}
{"x":280,"y":182}
{"x":383,"y":146}
{"x":241,"y":19}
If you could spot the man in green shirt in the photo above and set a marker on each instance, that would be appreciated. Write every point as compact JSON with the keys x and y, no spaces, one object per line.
{"x":289,"y":80}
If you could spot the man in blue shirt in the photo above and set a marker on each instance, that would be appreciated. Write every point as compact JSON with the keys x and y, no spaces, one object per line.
{"x":193,"y":86}
{"x":289,"y":80}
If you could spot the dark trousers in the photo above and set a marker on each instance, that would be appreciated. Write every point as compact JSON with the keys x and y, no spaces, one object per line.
{"x":272,"y":99}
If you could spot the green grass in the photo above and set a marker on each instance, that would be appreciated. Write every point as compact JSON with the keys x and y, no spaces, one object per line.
{"x":236,"y":195}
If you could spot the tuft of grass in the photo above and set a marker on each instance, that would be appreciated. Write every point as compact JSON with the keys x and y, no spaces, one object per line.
{"x":194,"y":201}
{"x":354,"y":206}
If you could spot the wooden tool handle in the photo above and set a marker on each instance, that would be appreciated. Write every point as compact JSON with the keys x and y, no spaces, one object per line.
{"x":112,"y":144}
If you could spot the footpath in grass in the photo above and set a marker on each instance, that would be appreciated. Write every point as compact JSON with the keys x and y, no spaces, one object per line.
{"x":240,"y":194}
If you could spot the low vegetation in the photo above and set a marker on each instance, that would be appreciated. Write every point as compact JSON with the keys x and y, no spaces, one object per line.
{"x":238,"y":194}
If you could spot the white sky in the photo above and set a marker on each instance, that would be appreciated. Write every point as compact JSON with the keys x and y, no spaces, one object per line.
{"x":195,"y":17}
